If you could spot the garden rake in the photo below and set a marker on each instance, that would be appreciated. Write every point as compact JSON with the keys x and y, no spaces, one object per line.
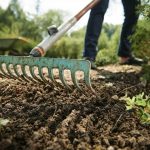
{"x":32,"y":67}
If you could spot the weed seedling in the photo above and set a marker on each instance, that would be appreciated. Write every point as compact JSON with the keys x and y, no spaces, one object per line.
{"x":141,"y":105}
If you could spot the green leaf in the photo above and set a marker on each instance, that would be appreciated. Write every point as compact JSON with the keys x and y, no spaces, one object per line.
{"x":129,"y":107}
{"x":140,"y":102}
{"x":145,"y":117}
{"x":148,"y":104}
{"x":130,"y":101}
{"x":140,"y":112}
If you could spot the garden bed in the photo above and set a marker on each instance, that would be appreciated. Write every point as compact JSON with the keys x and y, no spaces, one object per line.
{"x":43,"y":118}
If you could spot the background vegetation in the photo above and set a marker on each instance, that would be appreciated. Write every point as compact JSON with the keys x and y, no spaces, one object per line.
{"x":14,"y":22}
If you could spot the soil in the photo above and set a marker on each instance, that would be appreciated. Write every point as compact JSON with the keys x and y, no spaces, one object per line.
{"x":47,"y":118}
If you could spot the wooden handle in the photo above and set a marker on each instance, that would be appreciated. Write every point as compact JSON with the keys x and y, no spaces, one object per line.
{"x":86,"y":8}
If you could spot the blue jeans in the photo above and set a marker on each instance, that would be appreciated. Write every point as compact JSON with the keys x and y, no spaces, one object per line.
{"x":94,"y":27}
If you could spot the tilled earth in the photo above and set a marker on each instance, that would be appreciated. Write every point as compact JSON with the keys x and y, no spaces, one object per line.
{"x":44,"y":118}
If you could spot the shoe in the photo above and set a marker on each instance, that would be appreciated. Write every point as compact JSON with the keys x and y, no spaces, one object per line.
{"x":132,"y":61}
{"x":93,"y":65}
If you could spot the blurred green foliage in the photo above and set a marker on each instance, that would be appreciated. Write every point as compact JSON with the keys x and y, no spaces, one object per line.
{"x":14,"y":23}
{"x":141,"y":38}
{"x":66,"y":47}
{"x":108,"y":44}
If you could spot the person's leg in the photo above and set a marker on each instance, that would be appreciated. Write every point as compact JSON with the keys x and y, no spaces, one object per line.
{"x":131,"y":18}
{"x":93,"y":30}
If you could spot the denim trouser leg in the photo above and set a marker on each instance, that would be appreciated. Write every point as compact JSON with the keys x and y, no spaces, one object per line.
{"x":93,"y":30}
{"x":131,"y":18}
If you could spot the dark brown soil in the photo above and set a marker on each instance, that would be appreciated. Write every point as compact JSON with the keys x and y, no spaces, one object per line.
{"x":44,"y":118}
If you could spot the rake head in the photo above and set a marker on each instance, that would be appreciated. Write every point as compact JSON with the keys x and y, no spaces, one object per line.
{"x":41,"y":69}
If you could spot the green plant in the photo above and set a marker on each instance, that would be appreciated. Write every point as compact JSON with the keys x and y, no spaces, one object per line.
{"x":141,"y":38}
{"x":108,"y":44}
{"x":141,"y":105}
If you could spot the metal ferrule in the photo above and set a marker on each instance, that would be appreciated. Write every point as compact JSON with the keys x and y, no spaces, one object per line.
{"x":37,"y":52}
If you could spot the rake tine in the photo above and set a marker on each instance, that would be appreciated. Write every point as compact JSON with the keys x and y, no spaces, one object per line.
{"x":44,"y":79}
{"x":4,"y":72}
{"x":1,"y":75}
{"x":10,"y":72}
{"x":51,"y":76}
{"x":33,"y":74}
{"x":42,"y":76}
{"x":61,"y":76}
{"x":88,"y":83}
{"x":74,"y":80}
{"x":19,"y":75}
{"x":5,"y":76}
{"x":25,"y":74}
{"x":1,"y":72}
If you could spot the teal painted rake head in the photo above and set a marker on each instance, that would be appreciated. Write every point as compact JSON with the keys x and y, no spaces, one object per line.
{"x":42,"y":69}
{"x":33,"y":69}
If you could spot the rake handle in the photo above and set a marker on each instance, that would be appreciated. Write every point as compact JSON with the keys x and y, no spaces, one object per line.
{"x":86,"y":8}
{"x":47,"y":43}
